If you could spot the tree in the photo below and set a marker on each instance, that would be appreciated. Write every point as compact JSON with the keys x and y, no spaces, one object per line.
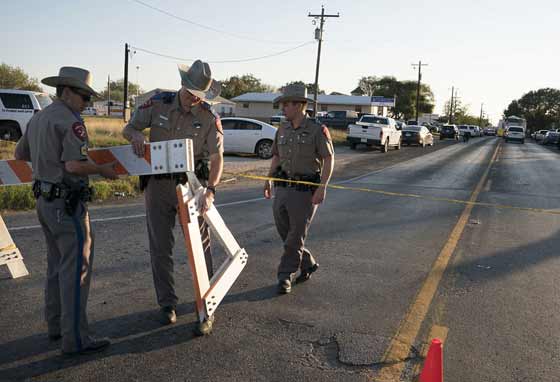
{"x":404,"y":91}
{"x":12,"y":77}
{"x":541,"y":108}
{"x":461,"y":114}
{"x":310,"y":87}
{"x":237,"y":85}
{"x":117,"y":91}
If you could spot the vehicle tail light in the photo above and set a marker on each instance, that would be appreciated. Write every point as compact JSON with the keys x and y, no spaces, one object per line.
{"x":381,"y":136}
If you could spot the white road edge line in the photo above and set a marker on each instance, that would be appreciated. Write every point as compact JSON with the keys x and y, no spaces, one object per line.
{"x":30,"y":227}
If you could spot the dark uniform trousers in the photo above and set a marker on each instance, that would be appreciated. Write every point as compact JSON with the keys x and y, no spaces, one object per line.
{"x":69,"y":268}
{"x":293,"y":213}
{"x":161,"y":212}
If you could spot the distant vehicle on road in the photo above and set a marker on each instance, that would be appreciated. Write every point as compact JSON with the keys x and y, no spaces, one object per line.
{"x":339,"y":119}
{"x":539,"y":135}
{"x":16,"y":109}
{"x":505,"y":124}
{"x":551,"y":138}
{"x":449,"y":131}
{"x":400,"y":125}
{"x":490,"y":131}
{"x":515,"y":133}
{"x":374,"y":130}
{"x":245,"y":135}
{"x":417,"y":135}
{"x":466,"y":129}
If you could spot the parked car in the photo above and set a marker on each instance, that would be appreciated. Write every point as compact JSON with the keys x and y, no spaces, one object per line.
{"x":16,"y":109}
{"x":374,"y":130}
{"x":466,"y":129}
{"x":551,"y":138}
{"x":400,"y":125}
{"x":538,"y":136}
{"x":339,"y":119}
{"x":89,"y":111}
{"x":515,"y":133}
{"x":490,"y":131}
{"x":449,"y":131}
{"x":417,"y":135}
{"x":276,"y":120}
{"x":245,"y":135}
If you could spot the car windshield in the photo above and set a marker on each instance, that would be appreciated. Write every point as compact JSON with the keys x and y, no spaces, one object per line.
{"x":413,"y":128}
{"x":374,"y":119}
{"x":516,"y":129}
{"x":44,"y":100}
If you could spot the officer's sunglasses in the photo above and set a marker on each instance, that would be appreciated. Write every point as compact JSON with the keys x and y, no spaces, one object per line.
{"x":85,"y":97}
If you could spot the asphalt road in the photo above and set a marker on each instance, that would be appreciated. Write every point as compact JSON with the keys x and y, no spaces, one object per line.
{"x":496,"y":304}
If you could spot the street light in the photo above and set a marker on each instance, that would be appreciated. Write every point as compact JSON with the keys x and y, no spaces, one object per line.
{"x":137,"y":83}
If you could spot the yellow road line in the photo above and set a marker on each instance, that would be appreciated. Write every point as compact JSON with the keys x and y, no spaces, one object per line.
{"x":469,"y":202}
{"x":400,"y":345}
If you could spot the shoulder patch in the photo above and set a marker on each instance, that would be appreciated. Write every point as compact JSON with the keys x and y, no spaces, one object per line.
{"x":147,"y":104}
{"x":79,"y":131}
{"x":84,"y":150}
{"x":326,"y":132}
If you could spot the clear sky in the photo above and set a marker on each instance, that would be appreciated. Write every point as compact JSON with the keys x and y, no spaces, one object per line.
{"x":493,"y":51}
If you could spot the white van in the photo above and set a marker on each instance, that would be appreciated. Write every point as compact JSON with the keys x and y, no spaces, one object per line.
{"x":16,"y":109}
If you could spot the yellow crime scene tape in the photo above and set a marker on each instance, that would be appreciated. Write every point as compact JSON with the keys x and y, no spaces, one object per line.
{"x":399,"y":194}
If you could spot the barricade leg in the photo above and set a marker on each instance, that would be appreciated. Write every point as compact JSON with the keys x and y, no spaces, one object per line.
{"x":10,"y":254}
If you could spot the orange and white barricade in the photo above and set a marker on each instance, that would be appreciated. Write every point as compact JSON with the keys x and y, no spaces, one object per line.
{"x":208,"y":293}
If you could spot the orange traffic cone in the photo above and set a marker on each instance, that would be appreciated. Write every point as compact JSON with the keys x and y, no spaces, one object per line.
{"x":433,"y":366}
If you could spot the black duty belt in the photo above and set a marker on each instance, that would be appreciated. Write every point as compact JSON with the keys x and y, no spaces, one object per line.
{"x":51,"y":191}
{"x":293,"y":182}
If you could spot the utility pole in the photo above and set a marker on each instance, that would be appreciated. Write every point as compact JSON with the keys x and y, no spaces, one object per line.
{"x":481,"y":115}
{"x":126,"y":53}
{"x":450,"y":119}
{"x":419,"y":64}
{"x":319,"y":38}
{"x":108,"y":95}
{"x":455,"y":101}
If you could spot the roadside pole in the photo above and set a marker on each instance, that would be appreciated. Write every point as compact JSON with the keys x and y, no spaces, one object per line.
{"x":126,"y":52}
{"x":419,"y":64}
{"x":319,"y":38}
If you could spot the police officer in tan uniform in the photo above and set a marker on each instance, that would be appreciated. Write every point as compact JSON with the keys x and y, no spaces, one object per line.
{"x":184,"y":115}
{"x":56,"y":143}
{"x":302,"y":151}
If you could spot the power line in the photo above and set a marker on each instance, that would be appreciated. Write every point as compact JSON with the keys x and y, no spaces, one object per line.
{"x":216,"y":30}
{"x":224,"y":61}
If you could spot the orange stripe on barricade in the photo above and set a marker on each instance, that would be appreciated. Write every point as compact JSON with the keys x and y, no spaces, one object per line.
{"x":148,"y":153}
{"x":106,"y":156}
{"x":22,"y":170}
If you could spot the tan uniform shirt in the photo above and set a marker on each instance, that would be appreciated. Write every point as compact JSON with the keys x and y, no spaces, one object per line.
{"x":55,"y":135}
{"x":301,"y":151}
{"x":169,"y":121}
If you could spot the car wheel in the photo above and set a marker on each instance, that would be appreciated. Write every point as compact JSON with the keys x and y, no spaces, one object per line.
{"x":523,"y":142}
{"x":264,"y":149}
{"x":385,"y":147}
{"x":10,"y":131}
{"x":353,"y":146}
{"x":440,"y":138}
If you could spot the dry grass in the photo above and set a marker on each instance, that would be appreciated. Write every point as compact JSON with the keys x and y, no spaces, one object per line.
{"x":338,"y":136}
{"x":7,"y":149}
{"x":105,"y":132}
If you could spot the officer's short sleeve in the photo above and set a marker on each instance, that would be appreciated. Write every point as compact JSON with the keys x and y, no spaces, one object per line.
{"x":275,"y":143}
{"x":324,"y":143}
{"x":215,"y":138}
{"x":74,"y":143}
{"x":142,"y":117}
{"x":22,"y":146}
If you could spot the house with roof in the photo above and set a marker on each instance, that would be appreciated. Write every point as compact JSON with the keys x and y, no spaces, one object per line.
{"x":261,"y":105}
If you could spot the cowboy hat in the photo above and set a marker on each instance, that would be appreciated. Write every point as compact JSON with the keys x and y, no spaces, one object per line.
{"x":197,"y":79}
{"x":294,"y":93}
{"x":72,"y":77}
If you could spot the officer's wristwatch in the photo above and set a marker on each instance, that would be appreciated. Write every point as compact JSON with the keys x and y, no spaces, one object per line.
{"x":213,"y":189}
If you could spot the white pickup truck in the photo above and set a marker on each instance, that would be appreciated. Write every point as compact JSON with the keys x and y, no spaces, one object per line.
{"x":375,"y":130}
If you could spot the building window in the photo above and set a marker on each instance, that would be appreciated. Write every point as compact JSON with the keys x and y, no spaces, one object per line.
{"x":245,"y":106}
{"x":380,"y":110}
{"x":358,"y":109}
{"x":324,"y":108}
{"x":276,"y":106}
